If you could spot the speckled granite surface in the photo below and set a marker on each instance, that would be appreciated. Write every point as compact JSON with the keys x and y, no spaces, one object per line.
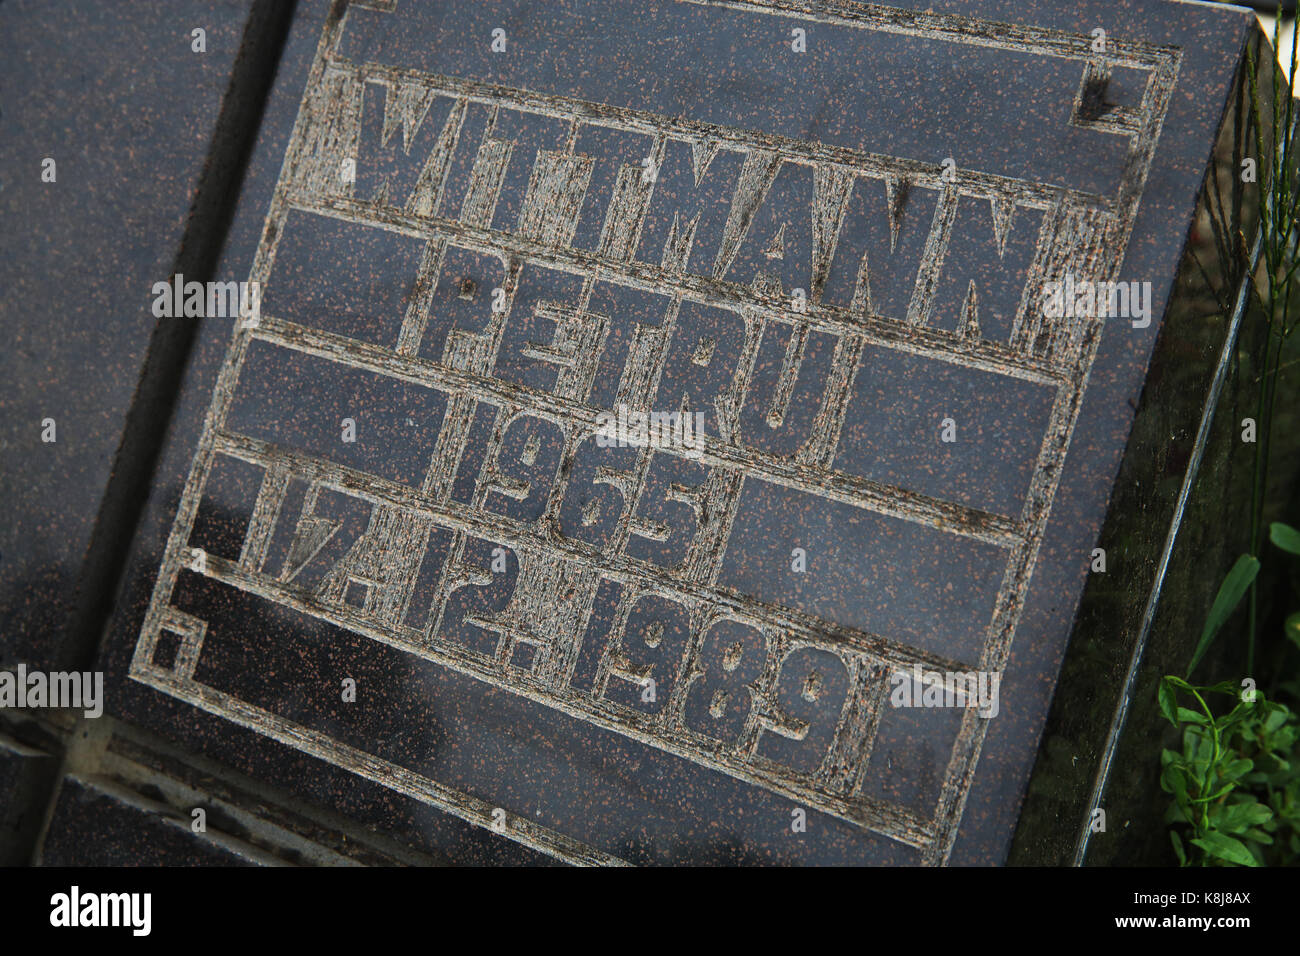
{"x":118,"y":99}
{"x":387,"y":568}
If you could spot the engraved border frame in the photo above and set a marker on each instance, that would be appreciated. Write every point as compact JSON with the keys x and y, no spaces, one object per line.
{"x":1111,"y":222}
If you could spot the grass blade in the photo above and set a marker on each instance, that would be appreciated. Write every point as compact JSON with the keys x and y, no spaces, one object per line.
{"x":1229,"y":596}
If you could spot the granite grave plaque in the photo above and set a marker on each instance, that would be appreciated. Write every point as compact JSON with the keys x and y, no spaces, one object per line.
{"x":652,"y":406}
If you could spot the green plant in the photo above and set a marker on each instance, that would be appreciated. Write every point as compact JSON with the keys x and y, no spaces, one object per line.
{"x":1236,"y":781}
{"x":1275,"y":280}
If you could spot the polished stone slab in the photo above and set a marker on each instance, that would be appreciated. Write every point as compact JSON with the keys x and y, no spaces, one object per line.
{"x":388,"y":551}
{"x":96,"y":825}
{"x":108,"y":119}
{"x":26,"y":772}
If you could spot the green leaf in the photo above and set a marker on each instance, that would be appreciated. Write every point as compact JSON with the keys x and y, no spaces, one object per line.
{"x":1235,"y":769}
{"x":1178,"y":848}
{"x":1222,"y":687}
{"x":1188,"y":716}
{"x":1292,"y":628}
{"x":1173,"y":779}
{"x":1168,"y":702}
{"x":1225,"y":602}
{"x":1243,"y":816}
{"x":1226,"y":848}
{"x":1258,"y":836}
{"x":1285,"y":537}
{"x":1198,"y":749}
